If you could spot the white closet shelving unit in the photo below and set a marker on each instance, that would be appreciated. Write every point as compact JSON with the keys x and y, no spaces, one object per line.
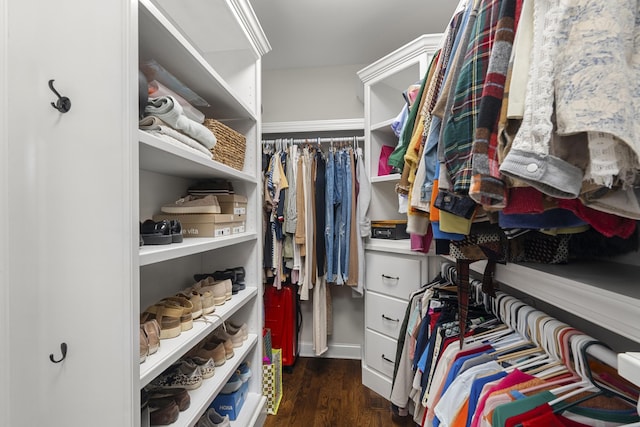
{"x":392,"y":270}
{"x":384,"y":82}
{"x":82,"y":181}
{"x":214,"y":47}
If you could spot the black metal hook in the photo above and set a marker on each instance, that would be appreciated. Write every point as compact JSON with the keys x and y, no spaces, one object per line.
{"x":63,"y":104}
{"x":63,"y":350}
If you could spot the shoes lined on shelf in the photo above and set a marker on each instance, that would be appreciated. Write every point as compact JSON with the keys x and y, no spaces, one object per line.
{"x":244,"y":371}
{"x":236,"y":275}
{"x":234,"y":328}
{"x":217,"y":288}
{"x":155,"y":233}
{"x":182,"y":374}
{"x":163,"y":412}
{"x":210,"y":350}
{"x":162,"y":232}
{"x":178,"y":395}
{"x":213,"y":419}
{"x":168,"y":318}
{"x":233,"y":384}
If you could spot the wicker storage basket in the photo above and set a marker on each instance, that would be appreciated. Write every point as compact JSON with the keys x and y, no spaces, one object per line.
{"x":231,"y":145}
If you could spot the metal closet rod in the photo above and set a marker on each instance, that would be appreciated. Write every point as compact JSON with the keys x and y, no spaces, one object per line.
{"x":314,"y":140}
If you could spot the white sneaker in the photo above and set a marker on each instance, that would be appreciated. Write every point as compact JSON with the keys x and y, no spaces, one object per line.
{"x":213,"y":419}
{"x":193,"y":205}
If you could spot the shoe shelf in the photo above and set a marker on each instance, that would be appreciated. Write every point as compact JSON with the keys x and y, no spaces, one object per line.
{"x":202,"y":397}
{"x":159,"y":39}
{"x":190,"y":246}
{"x":157,"y":155}
{"x":174,"y":348}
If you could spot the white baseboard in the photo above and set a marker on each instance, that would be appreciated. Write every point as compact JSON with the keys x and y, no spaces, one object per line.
{"x":336,"y":351}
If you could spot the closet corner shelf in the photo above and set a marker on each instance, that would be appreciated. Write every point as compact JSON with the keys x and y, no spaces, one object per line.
{"x":202,"y":397}
{"x":386,"y":178}
{"x":190,"y":246}
{"x":585,"y":288}
{"x":157,"y":155}
{"x":172,"y":349}
{"x":162,"y":41}
{"x":383,"y":126}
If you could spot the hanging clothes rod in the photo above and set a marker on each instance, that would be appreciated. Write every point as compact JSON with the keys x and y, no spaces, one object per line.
{"x":597,"y":350}
{"x":314,"y":140}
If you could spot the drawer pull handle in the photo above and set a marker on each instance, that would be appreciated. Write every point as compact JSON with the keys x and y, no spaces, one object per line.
{"x":384,"y":276}
{"x":387,"y":359}
{"x":389,"y":318}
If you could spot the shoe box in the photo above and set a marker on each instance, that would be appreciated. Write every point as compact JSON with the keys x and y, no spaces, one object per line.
{"x":203,"y":225}
{"x":233,"y":204}
{"x":231,"y":404}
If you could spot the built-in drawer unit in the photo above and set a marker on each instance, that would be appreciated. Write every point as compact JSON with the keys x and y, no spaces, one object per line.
{"x":384,"y":314}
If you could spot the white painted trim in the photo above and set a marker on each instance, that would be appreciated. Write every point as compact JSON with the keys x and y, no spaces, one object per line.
{"x":427,"y":43}
{"x":313,"y":126}
{"x":5,"y":360}
{"x":336,"y":351}
{"x":130,"y":187}
{"x":250,"y":23}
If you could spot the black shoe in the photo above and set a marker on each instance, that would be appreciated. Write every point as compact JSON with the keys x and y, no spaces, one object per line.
{"x":156,"y":233}
{"x":176,"y":231}
{"x":236,"y":275}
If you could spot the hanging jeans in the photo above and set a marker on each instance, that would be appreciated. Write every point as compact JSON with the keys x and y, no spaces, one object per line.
{"x":339,"y":225}
{"x":329,"y":216}
{"x":346,"y":217}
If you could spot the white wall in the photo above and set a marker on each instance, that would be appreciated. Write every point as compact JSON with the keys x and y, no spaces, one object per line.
{"x":302,"y":94}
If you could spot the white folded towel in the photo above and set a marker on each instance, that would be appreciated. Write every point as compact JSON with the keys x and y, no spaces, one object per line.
{"x":157,"y":127}
{"x":170,"y":111}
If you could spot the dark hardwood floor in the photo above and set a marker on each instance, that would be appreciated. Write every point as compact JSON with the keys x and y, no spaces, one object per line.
{"x":329,"y":392}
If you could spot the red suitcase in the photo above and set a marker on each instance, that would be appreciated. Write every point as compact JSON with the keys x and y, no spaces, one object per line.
{"x":281,"y":315}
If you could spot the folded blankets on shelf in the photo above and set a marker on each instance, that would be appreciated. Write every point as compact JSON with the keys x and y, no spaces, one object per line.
{"x":170,"y":111}
{"x":154,"y":125}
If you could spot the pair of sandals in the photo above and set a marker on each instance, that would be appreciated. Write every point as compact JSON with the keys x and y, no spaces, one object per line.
{"x":149,"y":338}
{"x":162,"y":232}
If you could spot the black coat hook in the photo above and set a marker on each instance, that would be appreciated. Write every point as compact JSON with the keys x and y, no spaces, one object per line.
{"x":63,"y":104}
{"x":63,"y":350}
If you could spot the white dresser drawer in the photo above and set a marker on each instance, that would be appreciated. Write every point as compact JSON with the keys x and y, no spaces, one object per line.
{"x":380,"y":352}
{"x":384,"y":314}
{"x":393,"y":275}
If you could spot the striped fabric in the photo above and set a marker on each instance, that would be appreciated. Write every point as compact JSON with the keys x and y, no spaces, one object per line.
{"x":487,"y":186}
{"x":459,"y":129}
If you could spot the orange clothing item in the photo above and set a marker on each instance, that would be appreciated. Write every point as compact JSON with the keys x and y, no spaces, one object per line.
{"x":460,"y":419}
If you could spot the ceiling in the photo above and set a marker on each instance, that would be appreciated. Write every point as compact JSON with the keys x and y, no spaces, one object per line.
{"x":322,"y":33}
